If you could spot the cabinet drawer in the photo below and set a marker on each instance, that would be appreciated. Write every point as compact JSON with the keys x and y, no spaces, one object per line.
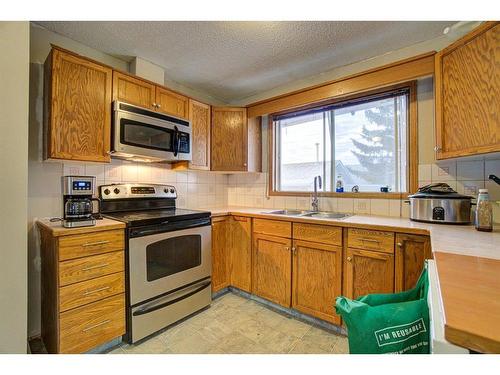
{"x":318,"y":233}
{"x":86,"y":327}
{"x":79,"y":294}
{"x":371,"y":240}
{"x":81,"y":269}
{"x":82,"y":245}
{"x":272,"y":227}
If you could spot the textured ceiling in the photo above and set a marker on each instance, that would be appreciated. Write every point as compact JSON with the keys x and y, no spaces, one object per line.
{"x":234,"y":60}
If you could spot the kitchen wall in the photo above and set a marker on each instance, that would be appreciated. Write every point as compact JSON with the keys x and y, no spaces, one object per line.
{"x":14,"y":81}
{"x":195,"y":189}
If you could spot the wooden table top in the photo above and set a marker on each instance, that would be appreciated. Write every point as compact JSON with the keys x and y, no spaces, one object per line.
{"x":470,"y":290}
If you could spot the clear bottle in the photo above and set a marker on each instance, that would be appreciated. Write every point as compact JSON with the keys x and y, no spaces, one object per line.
{"x":339,"y":187}
{"x":484,"y":212}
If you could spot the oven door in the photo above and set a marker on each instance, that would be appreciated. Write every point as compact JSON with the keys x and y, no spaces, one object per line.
{"x":160,"y":263}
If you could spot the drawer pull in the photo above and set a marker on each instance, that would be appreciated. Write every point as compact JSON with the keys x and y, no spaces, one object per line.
{"x":88,"y":292}
{"x":95,"y":267}
{"x":96,"y":325}
{"x":349,"y":259}
{"x":95,"y":243}
{"x":370,"y":240}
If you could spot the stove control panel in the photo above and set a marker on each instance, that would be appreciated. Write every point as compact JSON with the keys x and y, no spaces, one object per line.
{"x":130,"y":191}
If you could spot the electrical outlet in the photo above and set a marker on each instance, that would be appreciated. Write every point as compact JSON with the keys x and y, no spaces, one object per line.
{"x":470,"y":190}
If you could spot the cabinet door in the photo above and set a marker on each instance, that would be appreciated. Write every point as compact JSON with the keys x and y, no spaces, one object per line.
{"x":316,"y":270}
{"x":199,"y":114}
{"x":411,"y":252}
{"x":368,"y":272}
{"x":272,"y":260}
{"x":220,"y":253}
{"x":467,"y":92}
{"x":78,"y":108}
{"x":171,"y":103}
{"x":229,"y":139}
{"x":133,"y":91}
{"x":241,"y":253}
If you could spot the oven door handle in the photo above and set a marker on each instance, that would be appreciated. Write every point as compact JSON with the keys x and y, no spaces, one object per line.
{"x":151,"y":307}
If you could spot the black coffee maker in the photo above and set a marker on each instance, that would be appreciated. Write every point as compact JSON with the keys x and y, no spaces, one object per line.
{"x":78,"y":192}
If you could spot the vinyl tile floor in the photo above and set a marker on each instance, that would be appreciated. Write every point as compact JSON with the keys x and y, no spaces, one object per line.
{"x":236,"y":325}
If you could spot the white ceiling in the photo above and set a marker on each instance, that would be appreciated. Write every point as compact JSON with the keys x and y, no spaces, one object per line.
{"x":231,"y":61}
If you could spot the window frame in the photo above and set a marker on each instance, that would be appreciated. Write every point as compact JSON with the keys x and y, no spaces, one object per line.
{"x":412,"y":145}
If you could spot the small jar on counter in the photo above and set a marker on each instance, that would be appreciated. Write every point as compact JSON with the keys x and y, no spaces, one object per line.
{"x":484,"y":212}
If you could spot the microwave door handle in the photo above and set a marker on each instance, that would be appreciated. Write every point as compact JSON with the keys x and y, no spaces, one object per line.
{"x":176,"y":141}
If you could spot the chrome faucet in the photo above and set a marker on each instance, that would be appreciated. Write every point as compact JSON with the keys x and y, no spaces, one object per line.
{"x":314,"y":199}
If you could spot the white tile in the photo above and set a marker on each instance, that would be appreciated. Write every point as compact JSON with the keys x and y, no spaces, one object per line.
{"x":143,"y":172}
{"x":425,"y":172}
{"x":203,"y":189}
{"x":182,"y":188}
{"x":279,"y":202}
{"x":212,"y":189}
{"x":221,"y":178}
{"x":192,"y":188}
{"x":470,"y":170}
{"x":240,"y":200}
{"x":492,"y":167}
{"x":345,"y":205}
{"x":258,"y":202}
{"x":170,"y":176}
{"x":232,"y":199}
{"x":493,"y":190}
{"x":96,"y":170}
{"x":181,"y":176}
{"x":405,"y":210}
{"x":444,"y":171}
{"x":211,"y":177}
{"x":268,"y":202}
{"x":303,"y":203}
{"x":291,"y":203}
{"x":395,"y":207}
{"x":362,"y":206}
{"x":241,"y":178}
{"x":129,"y":171}
{"x":73,"y":169}
{"x":232,"y":179}
{"x":329,"y":204}
{"x":157,"y":174}
{"x":379,"y":207}
{"x":248,"y":201}
{"x":113,"y":173}
{"x":192,"y":177}
{"x":496,"y":211}
{"x":470,"y":188}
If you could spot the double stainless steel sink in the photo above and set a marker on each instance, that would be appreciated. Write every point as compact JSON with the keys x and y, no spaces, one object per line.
{"x":316,"y":214}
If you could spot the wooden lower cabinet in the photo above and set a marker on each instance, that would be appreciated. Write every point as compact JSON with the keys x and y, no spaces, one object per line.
{"x":220,"y":253}
{"x":368,"y":272}
{"x":241,"y":253}
{"x":411,"y":253}
{"x":272,"y":268}
{"x":83,"y":288}
{"x":317,"y":279}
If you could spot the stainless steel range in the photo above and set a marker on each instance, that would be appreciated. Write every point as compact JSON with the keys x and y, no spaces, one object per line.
{"x":168,"y":255}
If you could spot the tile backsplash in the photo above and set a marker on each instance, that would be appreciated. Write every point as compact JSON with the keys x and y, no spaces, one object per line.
{"x":466,"y":177}
{"x":195,"y":189}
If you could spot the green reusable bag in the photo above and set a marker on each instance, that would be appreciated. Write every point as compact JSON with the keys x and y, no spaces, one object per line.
{"x":388,"y":323}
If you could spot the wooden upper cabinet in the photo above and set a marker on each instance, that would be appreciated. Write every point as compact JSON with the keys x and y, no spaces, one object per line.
{"x":236,"y":142}
{"x":368,"y":272}
{"x":171,"y":103}
{"x":199,"y":115}
{"x":220,"y":253}
{"x":133,"y":91}
{"x":317,"y":279}
{"x":411,"y":253}
{"x":241,"y":253}
{"x":467,"y":75}
{"x":272,"y":268}
{"x":77,"y":108}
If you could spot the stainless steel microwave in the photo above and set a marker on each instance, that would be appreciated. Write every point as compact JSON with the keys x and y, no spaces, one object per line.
{"x":143,"y":135}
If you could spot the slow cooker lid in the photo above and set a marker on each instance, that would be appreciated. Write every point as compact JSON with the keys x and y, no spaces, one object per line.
{"x":438,"y":191}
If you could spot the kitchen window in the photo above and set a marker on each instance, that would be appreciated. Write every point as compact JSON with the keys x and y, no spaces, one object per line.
{"x":364,"y":141}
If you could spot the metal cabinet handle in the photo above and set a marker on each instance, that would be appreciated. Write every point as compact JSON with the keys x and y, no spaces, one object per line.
{"x":96,"y":325}
{"x":349,"y":259}
{"x":244,"y":164}
{"x":154,"y":105}
{"x":294,"y":250}
{"x":95,"y":243}
{"x":400,"y":244}
{"x":437,"y":148}
{"x":95,"y":267}
{"x":287,"y":248}
{"x":88,"y":292}
{"x":158,"y":106}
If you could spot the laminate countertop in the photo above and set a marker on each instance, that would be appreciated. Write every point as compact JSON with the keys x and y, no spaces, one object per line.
{"x":56,"y":229}
{"x":468,"y":267}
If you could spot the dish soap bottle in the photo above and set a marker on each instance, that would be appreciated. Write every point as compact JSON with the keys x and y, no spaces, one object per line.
{"x":484,"y":212}
{"x":339,"y":187}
